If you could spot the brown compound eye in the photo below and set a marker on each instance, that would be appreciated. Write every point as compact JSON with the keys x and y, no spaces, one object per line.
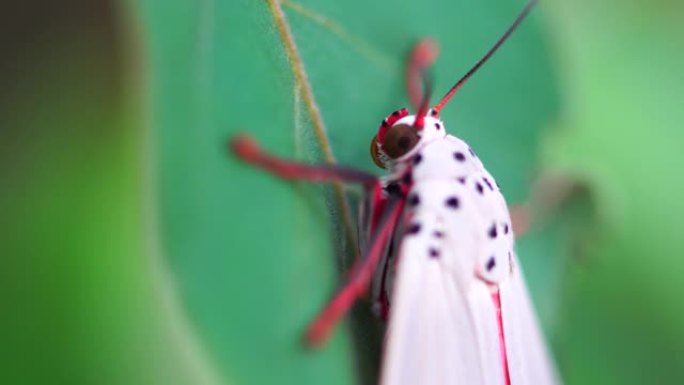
{"x":375,"y":154}
{"x":399,"y":140}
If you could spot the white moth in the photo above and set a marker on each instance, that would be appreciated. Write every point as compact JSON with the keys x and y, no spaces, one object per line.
{"x":459,"y":311}
{"x":438,"y":252}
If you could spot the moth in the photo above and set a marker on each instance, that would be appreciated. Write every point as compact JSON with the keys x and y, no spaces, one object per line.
{"x":437,"y":247}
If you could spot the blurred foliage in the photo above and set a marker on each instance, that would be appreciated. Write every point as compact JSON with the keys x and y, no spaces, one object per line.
{"x":621,"y":132}
{"x":136,"y":251}
{"x":81,"y":301}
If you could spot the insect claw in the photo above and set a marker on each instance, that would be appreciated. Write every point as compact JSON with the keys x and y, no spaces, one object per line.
{"x":316,"y":336}
{"x":244,"y":147}
{"x":425,"y":52}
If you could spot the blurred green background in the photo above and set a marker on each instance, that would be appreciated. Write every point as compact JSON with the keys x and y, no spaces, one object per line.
{"x":134,"y":250}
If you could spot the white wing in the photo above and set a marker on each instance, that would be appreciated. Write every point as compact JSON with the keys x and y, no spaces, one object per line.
{"x":443,"y":326}
{"x":528,"y":358}
{"x":431,"y":338}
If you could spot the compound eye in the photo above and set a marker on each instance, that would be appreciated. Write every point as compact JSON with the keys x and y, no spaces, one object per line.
{"x":375,"y":154}
{"x":399,"y":140}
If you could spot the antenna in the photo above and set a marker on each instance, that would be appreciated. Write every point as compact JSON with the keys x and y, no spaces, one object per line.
{"x":486,"y":57}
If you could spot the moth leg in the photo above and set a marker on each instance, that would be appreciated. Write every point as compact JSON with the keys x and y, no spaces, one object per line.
{"x":247,"y":149}
{"x":550,"y":194}
{"x":360,"y":277}
{"x":422,"y":56}
{"x":520,"y":219}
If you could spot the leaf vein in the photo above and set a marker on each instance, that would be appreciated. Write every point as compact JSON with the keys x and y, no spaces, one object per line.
{"x":364,"y":48}
{"x":302,"y":82}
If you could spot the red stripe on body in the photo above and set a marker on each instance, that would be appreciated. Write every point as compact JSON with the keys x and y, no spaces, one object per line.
{"x":502,"y":339}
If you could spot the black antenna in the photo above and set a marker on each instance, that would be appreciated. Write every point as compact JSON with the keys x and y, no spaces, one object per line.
{"x":489,"y":54}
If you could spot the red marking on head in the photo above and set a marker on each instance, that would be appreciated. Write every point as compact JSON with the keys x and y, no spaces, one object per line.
{"x":389,"y":122}
{"x":420,"y":122}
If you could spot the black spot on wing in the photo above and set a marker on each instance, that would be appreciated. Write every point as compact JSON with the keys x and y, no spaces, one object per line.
{"x":413,"y":200}
{"x":458,"y":155}
{"x":488,"y":183}
{"x":434,"y":253}
{"x":452,"y":202}
{"x":414,"y":228}
{"x":417,"y":159}
{"x":479,"y":188}
{"x":491,"y":263}
{"x":492,"y":231}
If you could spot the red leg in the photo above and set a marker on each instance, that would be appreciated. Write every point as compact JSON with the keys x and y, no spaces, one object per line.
{"x":361,"y":274}
{"x":247,"y":149}
{"x":422,"y":56}
{"x":520,"y":218}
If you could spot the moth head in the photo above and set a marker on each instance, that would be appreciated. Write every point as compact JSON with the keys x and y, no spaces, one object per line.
{"x":401,"y":135}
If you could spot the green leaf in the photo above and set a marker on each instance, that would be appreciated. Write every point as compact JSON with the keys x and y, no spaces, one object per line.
{"x":254,"y":257}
